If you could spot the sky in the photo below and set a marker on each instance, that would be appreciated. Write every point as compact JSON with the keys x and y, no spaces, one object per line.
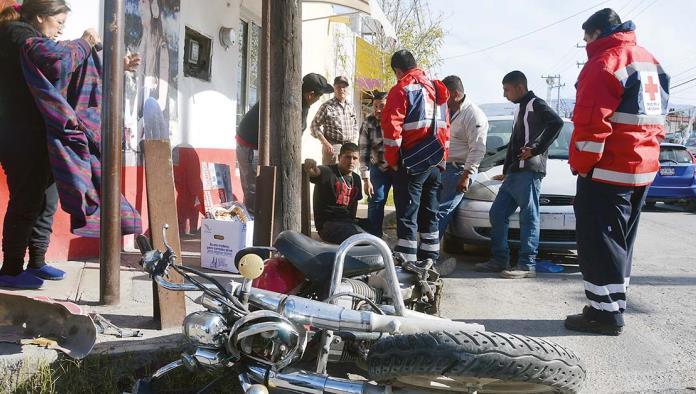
{"x":665,"y":27}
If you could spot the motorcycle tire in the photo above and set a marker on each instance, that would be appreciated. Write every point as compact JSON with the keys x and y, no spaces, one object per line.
{"x":486,"y":362}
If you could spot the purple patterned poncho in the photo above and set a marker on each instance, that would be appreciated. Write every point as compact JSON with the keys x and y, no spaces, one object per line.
{"x":65,"y":80}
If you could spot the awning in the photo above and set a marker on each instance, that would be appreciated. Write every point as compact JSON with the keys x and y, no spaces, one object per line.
{"x":369,"y":7}
{"x":359,"y":5}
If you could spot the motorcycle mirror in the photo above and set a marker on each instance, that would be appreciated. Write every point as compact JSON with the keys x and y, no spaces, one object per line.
{"x":251,"y":266}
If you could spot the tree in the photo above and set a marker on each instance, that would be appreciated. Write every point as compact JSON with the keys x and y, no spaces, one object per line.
{"x":417,"y":30}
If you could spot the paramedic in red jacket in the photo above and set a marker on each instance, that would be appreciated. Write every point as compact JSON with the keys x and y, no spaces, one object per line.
{"x":412,"y":105}
{"x":622,"y":97}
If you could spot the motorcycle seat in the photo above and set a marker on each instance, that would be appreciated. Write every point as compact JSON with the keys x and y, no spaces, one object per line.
{"x":315,"y":259}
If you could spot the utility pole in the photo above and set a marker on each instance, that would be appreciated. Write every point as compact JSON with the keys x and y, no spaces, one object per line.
{"x":286,"y":111}
{"x":112,"y":131}
{"x":580,"y":64}
{"x":551,"y":85}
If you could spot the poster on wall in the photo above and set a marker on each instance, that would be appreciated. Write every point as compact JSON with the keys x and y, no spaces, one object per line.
{"x":152,"y":31}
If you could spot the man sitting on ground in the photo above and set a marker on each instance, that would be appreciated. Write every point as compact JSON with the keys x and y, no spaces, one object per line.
{"x":337,"y":191}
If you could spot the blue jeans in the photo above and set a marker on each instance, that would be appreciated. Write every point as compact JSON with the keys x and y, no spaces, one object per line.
{"x":449,"y":196}
{"x":519,"y":190}
{"x":381,"y":184}
{"x":416,"y":198}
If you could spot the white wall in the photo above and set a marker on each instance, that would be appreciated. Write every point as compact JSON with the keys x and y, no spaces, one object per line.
{"x":318,"y":56}
{"x":84,"y":14}
{"x":208,"y":109}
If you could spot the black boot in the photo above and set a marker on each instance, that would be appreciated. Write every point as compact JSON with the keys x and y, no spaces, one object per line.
{"x":581,"y":322}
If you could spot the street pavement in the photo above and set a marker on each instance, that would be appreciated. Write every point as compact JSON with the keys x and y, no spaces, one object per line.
{"x":656,"y":352}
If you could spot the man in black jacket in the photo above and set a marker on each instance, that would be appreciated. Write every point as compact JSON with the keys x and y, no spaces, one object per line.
{"x":313,"y":87}
{"x":534,"y":129}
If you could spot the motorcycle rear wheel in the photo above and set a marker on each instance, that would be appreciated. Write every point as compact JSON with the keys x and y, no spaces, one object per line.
{"x":484,"y":362}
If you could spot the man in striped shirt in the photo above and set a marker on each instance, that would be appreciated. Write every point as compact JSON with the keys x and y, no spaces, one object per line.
{"x":335,"y":123}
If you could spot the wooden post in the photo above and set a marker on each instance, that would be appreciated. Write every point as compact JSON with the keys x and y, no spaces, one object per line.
{"x":306,"y":206}
{"x":265,"y":91}
{"x":286,"y":111}
{"x":266,"y":179}
{"x":112,"y":130}
{"x":265,"y":192}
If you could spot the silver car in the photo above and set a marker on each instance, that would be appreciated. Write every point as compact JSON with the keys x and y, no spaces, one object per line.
{"x":471,"y":224}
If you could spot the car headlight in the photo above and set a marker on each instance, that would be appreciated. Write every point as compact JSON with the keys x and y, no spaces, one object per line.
{"x":483,"y":189}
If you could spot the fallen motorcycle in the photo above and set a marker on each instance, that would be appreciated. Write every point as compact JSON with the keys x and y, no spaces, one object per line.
{"x":261,"y":335}
{"x":302,"y":266}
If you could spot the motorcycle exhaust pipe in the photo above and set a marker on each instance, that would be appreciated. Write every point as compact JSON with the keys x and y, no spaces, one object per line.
{"x":312,"y":383}
{"x":333,"y":317}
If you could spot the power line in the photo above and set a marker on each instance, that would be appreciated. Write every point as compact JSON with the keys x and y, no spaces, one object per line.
{"x":682,"y":84}
{"x":644,"y":9}
{"x":634,"y":8}
{"x":676,"y":81}
{"x":564,"y":58}
{"x":526,"y":34}
{"x":683,"y":72}
{"x":623,"y":6}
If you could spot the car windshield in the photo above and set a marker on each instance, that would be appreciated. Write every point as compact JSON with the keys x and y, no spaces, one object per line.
{"x":674,"y":154}
{"x":499,"y":132}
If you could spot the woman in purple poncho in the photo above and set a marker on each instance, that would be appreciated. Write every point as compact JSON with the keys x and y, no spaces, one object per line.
{"x":23,"y":151}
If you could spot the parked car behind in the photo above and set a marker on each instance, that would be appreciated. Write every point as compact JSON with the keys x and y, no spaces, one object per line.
{"x":676,"y":179}
{"x":471,"y":224}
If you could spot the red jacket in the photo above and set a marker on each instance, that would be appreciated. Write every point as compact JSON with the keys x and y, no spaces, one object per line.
{"x":620,"y":108}
{"x":408,"y":114}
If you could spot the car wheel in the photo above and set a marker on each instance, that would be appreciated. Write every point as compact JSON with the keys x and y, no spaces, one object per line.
{"x":691,"y":206}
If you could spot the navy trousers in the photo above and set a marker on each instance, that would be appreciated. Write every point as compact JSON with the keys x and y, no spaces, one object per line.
{"x":607,"y":219}
{"x":417,"y":206}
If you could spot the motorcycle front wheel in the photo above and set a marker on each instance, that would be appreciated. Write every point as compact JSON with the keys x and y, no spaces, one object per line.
{"x":482,"y":362}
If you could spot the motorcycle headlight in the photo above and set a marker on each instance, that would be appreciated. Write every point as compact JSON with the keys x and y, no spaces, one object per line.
{"x":205,"y":329}
{"x":483,"y":190}
{"x":266,"y":337}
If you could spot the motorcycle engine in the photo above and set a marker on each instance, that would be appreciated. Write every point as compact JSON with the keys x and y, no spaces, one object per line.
{"x":421,"y":294}
{"x":406,"y":281}
{"x":356,"y":287}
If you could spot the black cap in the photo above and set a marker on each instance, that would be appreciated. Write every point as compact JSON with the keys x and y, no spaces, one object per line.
{"x":341,"y":79}
{"x":316,"y":83}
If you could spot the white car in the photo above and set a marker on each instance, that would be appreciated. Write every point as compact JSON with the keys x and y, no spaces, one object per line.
{"x":471,"y":224}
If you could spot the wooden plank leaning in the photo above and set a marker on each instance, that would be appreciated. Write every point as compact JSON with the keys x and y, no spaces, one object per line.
{"x":169,"y":306}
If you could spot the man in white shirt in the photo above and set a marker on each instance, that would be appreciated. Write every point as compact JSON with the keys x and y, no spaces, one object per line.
{"x":468,"y":131}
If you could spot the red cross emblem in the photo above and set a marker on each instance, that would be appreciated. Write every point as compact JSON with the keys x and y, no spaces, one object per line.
{"x":651,"y":88}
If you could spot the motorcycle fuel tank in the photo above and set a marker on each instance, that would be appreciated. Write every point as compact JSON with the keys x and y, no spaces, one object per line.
{"x":280,"y":276}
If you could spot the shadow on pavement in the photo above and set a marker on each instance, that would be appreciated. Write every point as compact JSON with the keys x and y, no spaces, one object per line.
{"x":654,"y":280}
{"x":537,"y":328}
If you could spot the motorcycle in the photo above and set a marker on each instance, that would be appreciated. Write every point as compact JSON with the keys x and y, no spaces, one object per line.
{"x":300,"y":265}
{"x":262,"y":335}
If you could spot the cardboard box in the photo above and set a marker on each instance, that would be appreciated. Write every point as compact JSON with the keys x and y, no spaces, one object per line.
{"x":217,"y":185}
{"x":221,"y":240}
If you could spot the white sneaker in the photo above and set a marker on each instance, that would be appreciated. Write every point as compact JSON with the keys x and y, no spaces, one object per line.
{"x":517,"y":274}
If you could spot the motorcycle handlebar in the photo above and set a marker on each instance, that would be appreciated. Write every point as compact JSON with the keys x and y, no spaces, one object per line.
{"x":143,"y":243}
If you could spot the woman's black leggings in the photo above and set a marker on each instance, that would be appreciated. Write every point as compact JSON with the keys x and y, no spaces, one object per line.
{"x":33,"y":202}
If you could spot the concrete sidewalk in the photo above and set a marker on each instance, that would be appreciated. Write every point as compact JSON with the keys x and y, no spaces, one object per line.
{"x":135,"y":312}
